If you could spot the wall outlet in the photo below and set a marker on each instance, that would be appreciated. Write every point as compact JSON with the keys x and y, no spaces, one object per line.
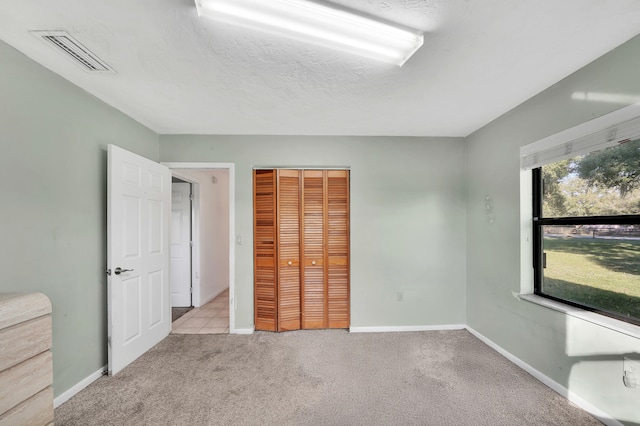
{"x":631,"y":374}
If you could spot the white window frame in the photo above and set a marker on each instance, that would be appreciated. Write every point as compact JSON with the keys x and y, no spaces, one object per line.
{"x":554,"y":148}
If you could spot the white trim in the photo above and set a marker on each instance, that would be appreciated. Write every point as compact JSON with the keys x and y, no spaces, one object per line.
{"x":213,"y":296}
{"x":597,"y":124}
{"x":196,"y":272}
{"x":207,"y":300}
{"x":232,"y":249}
{"x":301,"y":167}
{"x":232,"y":229}
{"x":561,"y":390}
{"x":66,"y":395}
{"x":400,"y":328}
{"x":526,"y":232}
{"x":242,"y":331}
{"x":583,"y":314}
{"x":195,"y":237}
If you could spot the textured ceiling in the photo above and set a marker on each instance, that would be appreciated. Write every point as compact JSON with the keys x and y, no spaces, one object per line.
{"x":177,"y":73}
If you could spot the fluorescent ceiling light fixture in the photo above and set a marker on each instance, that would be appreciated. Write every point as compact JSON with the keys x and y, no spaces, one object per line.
{"x":317,"y":24}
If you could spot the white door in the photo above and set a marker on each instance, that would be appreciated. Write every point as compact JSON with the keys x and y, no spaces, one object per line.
{"x":138,"y":210}
{"x":180,"y":244}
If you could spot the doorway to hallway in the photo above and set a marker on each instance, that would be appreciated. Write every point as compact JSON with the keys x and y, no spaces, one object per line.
{"x":212,"y":251}
{"x":212,"y":318}
{"x":181,"y":245}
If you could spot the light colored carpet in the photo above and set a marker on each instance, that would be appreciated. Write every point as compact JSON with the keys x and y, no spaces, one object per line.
{"x":327,"y":377}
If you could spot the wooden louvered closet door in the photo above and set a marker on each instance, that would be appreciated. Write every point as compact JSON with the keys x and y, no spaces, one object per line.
{"x":288,"y":249}
{"x":337,"y":219}
{"x":264,"y":245}
{"x":313,"y":277}
{"x":301,"y":245}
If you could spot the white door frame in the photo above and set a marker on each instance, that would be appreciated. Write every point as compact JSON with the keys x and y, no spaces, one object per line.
{"x":195,"y":237}
{"x":189,"y":232}
{"x":232,"y":254}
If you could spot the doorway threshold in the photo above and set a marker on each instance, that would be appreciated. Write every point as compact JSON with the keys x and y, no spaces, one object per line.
{"x":212,"y":318}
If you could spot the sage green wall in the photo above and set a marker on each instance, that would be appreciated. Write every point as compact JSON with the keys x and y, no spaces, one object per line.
{"x":581,"y":356}
{"x":413,"y":230}
{"x":53,"y":185}
{"x":407,"y":218}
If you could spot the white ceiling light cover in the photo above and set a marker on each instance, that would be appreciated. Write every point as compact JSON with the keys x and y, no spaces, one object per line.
{"x":317,"y":24}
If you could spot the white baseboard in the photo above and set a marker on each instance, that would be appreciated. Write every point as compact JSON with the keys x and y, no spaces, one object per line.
{"x":241,"y":331}
{"x":399,"y":328}
{"x":577,"y":400}
{"x":65,"y":396}
{"x":210,"y":298}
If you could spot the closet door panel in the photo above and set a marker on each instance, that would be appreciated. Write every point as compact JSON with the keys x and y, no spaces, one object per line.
{"x":338,"y":248}
{"x":265,"y":292}
{"x":301,"y":249}
{"x":313,"y":287}
{"x":289,"y":250}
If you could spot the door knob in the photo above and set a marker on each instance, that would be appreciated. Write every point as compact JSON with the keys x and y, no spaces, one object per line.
{"x":119,"y":270}
{"x":313,"y":262}
{"x":289,"y":263}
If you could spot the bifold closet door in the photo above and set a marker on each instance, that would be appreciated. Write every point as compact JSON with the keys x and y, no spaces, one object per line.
{"x":264,"y":244}
{"x":313,"y":279}
{"x":337,"y":225}
{"x":325,"y":239}
{"x":301,"y":243}
{"x":288,"y":244}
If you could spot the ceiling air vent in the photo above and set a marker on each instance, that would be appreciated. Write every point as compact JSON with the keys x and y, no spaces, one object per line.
{"x":74,"y":50}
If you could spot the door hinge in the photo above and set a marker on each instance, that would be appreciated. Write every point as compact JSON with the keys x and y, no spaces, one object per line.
{"x":190,"y":243}
{"x":108,"y":272}
{"x":191,"y":197}
{"x":191,"y":290}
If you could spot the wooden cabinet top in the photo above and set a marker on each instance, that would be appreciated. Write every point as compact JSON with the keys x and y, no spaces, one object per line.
{"x":19,"y":307}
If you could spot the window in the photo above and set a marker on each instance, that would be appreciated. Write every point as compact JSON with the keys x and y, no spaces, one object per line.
{"x":586,"y":230}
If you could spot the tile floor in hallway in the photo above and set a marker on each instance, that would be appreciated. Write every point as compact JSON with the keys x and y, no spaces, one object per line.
{"x":212,"y":318}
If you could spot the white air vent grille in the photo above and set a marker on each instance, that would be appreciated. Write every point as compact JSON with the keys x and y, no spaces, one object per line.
{"x":74,"y":50}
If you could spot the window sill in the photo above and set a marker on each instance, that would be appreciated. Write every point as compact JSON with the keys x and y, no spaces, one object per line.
{"x":592,"y":317}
